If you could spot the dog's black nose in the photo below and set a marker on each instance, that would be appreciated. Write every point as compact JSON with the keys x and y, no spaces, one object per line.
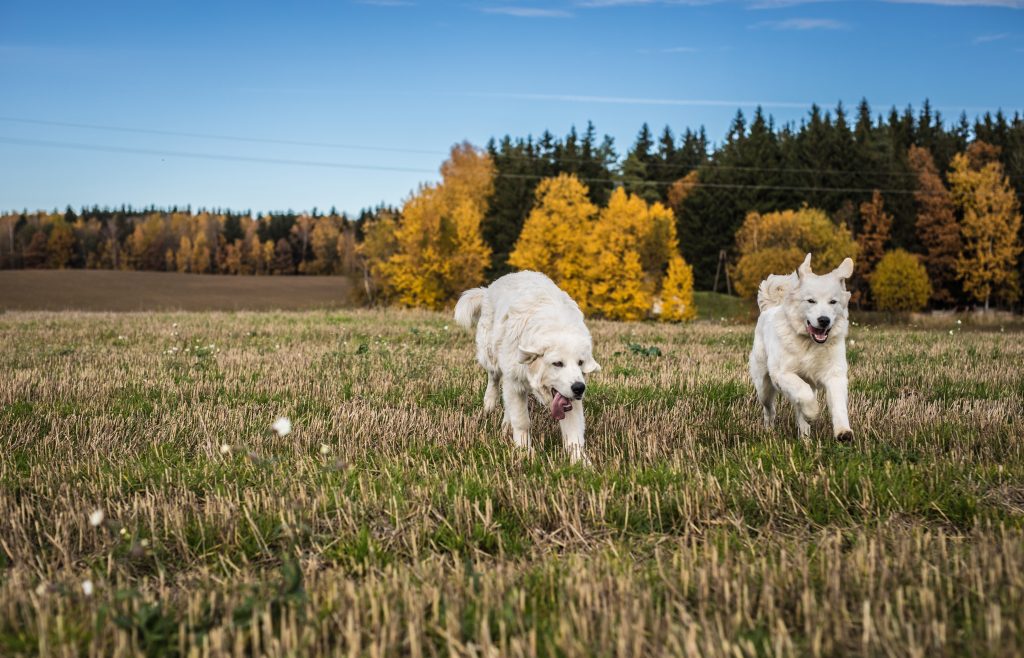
{"x":823,"y":322}
{"x":578,"y":388}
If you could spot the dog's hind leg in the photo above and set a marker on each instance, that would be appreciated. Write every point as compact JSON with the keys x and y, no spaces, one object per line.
{"x":804,"y":401}
{"x":572,"y":427}
{"x":517,"y":413}
{"x":491,"y":394}
{"x":835,"y":393}
{"x":765,"y":391}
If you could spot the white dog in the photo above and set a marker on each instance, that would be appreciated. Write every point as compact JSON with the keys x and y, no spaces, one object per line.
{"x":530,"y":338}
{"x":800,"y":345}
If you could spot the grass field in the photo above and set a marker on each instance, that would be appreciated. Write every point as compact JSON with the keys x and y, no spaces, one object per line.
{"x":395,"y":520}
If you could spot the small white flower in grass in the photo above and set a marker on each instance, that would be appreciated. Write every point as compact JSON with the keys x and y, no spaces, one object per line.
{"x":96,"y":517}
{"x":324,"y":448}
{"x":950,"y":332}
{"x":224,"y":448}
{"x":124,"y":531}
{"x":87,"y":587}
{"x":42,"y":588}
{"x":282,"y":426}
{"x":446,"y":327}
{"x":959,"y":322}
{"x":144,"y":543}
{"x":852,"y":342}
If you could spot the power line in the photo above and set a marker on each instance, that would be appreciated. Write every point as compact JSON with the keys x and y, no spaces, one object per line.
{"x":229,"y":138}
{"x":339,"y":165}
{"x":209,"y":156}
{"x":390,"y":149}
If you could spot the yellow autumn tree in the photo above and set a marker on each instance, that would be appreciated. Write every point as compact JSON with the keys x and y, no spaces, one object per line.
{"x":378,"y":246}
{"x":324,"y":242}
{"x":991,"y":223}
{"x":60,"y":245}
{"x":900,"y":282}
{"x":776,"y":243}
{"x":619,"y":289}
{"x":200,"y":262}
{"x":677,"y":292}
{"x":439,"y":247}
{"x":184,"y":256}
{"x":554,"y":237}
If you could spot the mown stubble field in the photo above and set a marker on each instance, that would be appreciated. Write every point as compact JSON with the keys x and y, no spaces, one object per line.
{"x":396,"y":520}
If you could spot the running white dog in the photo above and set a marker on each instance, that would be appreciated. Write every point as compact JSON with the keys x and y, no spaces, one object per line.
{"x":800,"y":345}
{"x":530,"y":338}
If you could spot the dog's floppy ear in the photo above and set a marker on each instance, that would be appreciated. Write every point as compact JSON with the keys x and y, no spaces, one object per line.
{"x":845,"y":269}
{"x":529,"y":354}
{"x":805,"y":267}
{"x":591,"y":366}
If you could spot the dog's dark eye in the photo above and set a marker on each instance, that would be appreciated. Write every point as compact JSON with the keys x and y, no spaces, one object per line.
{"x":558,"y":364}
{"x":811,"y":301}
{"x":832,"y":302}
{"x":581,"y":363}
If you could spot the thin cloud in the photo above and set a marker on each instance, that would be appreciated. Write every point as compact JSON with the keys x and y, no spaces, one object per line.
{"x":527,"y":12}
{"x":989,"y":38}
{"x":1008,"y":4}
{"x":803,"y":24}
{"x":782,"y":4}
{"x":667,"y":51}
{"x":629,"y":100}
{"x":592,"y":4}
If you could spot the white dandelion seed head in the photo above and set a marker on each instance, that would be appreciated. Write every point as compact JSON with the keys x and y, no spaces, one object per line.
{"x":282,"y":426}
{"x":87,"y":587}
{"x":224,"y":448}
{"x":324,"y":448}
{"x":96,"y":517}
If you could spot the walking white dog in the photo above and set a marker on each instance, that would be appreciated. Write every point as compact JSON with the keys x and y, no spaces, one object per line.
{"x":530,"y":338}
{"x":800,"y":345}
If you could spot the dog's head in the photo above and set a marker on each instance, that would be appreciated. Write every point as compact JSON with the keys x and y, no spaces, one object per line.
{"x":557,"y":364}
{"x":818,"y":306}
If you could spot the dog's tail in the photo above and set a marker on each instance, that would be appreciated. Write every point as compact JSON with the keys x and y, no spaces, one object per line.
{"x":467,"y":311}
{"x":773,"y":290}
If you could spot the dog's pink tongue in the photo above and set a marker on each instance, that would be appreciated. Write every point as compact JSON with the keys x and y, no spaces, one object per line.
{"x":559,"y":406}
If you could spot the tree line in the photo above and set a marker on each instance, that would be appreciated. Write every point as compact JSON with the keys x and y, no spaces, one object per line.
{"x":892,"y":180}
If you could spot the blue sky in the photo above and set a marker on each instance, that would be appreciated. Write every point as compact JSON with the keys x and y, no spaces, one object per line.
{"x":297,"y":85}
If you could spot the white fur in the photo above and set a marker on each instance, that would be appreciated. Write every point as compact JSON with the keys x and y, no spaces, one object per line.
{"x":787,"y":359}
{"x":525,"y":326}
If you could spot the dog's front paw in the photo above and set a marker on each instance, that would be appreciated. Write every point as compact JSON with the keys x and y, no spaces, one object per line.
{"x":810,"y":409}
{"x":579,"y":458}
{"x":845,"y":436}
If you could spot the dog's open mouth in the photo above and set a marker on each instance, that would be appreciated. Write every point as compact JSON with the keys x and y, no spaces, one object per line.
{"x":559,"y":405}
{"x":818,"y":335}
